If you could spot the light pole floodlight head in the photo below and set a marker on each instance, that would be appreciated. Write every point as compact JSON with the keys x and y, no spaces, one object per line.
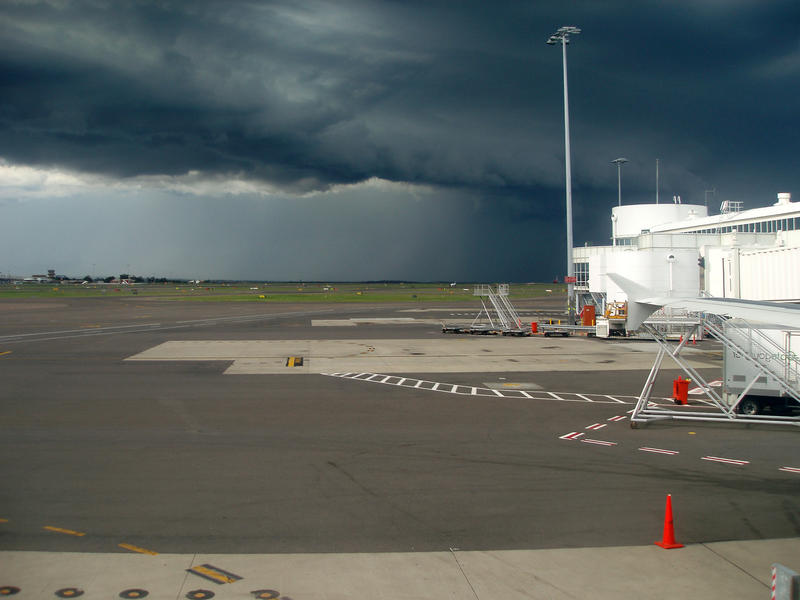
{"x":562,"y":34}
{"x":619,"y":161}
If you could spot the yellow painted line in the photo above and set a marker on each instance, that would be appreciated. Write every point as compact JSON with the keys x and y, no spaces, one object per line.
{"x":290,"y":361}
{"x":137,"y":549}
{"x":67,"y":531}
{"x":3,"y":520}
{"x":6,"y":352}
{"x":213,"y":575}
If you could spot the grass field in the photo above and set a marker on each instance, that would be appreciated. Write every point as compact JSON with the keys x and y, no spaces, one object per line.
{"x":276,"y":292}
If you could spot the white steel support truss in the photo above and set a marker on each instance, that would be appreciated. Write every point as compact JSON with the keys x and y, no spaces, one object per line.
{"x":645,"y":411}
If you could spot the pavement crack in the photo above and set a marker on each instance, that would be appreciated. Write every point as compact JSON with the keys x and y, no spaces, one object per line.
{"x":393,"y":505}
{"x":536,"y":577}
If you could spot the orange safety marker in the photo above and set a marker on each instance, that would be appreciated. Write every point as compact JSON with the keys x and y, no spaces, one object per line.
{"x":668,"y":540}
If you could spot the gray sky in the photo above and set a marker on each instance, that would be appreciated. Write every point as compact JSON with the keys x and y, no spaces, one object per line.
{"x":351,"y":140}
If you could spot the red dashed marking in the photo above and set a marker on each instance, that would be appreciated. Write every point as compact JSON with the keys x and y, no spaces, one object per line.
{"x":596,"y":426}
{"x":702,"y":390}
{"x":790,"y":469}
{"x":599,"y":442}
{"x":658,"y":450}
{"x":573,"y":435}
{"x":727,"y":461}
{"x":617,"y":418}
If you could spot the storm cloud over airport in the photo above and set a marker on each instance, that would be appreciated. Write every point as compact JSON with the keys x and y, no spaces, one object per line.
{"x":357,"y":140}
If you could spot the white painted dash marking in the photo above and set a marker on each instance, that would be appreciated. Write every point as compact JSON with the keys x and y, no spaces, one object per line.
{"x":401,"y":382}
{"x":790,"y":469}
{"x":596,"y":426}
{"x":435,"y":386}
{"x":419,"y":383}
{"x":371,"y":376}
{"x":599,"y":442}
{"x":474,"y":391}
{"x":498,"y":393}
{"x":453,"y":389}
{"x":617,"y":400}
{"x":727,"y":461}
{"x":658,"y":450}
{"x":584,"y":397}
{"x":556,"y":396}
{"x":385,"y":379}
{"x":526,"y":394}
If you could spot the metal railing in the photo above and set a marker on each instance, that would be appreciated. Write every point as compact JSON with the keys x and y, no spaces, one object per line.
{"x":505,"y":313}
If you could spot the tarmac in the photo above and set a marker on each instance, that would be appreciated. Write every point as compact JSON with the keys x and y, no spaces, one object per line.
{"x":400,"y":463}
{"x":714,"y":570}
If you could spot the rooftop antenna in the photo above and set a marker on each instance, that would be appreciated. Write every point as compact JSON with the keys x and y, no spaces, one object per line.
{"x":712,"y":191}
{"x":656,"y":181}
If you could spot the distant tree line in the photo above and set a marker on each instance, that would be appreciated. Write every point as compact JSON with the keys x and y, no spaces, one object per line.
{"x":132,"y":279}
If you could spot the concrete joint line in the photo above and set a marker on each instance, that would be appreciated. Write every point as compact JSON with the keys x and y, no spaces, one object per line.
{"x":460,"y":568}
{"x":729,"y":561}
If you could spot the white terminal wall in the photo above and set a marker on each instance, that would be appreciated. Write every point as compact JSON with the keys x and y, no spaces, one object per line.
{"x":649,"y":267}
{"x":633,"y":218}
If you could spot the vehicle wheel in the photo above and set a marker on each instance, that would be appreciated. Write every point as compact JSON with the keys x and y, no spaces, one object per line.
{"x":748,"y":406}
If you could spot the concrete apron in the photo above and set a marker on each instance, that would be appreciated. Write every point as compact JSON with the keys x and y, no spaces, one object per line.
{"x":715,"y":570}
{"x":468,"y":354}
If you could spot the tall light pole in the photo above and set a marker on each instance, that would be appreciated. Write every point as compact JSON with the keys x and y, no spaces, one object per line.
{"x":619,"y":162}
{"x":562,"y":36}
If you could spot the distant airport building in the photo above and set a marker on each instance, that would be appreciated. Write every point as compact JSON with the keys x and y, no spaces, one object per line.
{"x":679,"y":249}
{"x":37,"y":279}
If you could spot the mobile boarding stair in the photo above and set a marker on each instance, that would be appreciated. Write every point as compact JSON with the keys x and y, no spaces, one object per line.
{"x":767,"y":361}
{"x":506,"y":317}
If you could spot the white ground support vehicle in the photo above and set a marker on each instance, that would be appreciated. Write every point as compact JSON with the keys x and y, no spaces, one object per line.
{"x":775,"y":386}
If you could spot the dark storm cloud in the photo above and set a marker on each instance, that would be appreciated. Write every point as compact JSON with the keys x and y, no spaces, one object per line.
{"x":307,"y":94}
{"x":464,"y":96}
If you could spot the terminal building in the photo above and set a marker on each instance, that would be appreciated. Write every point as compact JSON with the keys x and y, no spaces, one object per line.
{"x":679,"y":249}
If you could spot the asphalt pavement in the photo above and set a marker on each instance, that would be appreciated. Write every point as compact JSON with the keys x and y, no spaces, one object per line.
{"x":185,"y":458}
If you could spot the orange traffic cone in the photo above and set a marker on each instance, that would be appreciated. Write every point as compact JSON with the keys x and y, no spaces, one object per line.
{"x":669,"y":530}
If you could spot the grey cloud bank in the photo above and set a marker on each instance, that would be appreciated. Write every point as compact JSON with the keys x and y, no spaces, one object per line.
{"x":283,"y":103}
